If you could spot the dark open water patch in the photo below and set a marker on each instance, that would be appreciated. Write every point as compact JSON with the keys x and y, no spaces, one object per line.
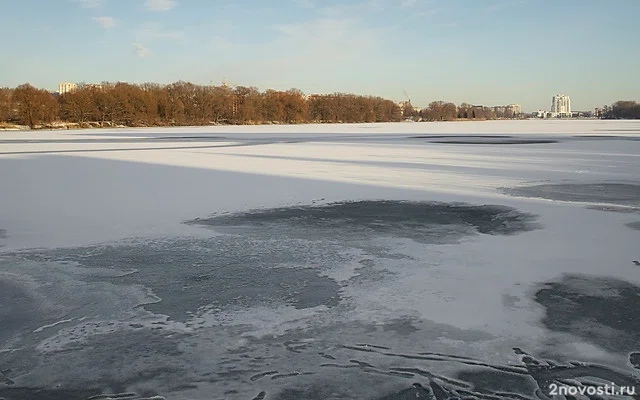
{"x":495,"y":141}
{"x":634,"y":225}
{"x":425,"y":222}
{"x":617,"y":194}
{"x":3,"y":234}
{"x":602,"y":311}
{"x":608,"y":137}
{"x":481,"y":139}
{"x":460,"y":137}
{"x":616,"y":209}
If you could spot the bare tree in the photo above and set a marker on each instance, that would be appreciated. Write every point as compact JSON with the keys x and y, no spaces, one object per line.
{"x":34,"y":106}
{"x":184,"y":103}
{"x":624,"y":109}
{"x":6,"y":107}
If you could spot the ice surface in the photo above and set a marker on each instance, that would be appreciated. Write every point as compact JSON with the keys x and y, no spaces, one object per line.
{"x":380,"y":261}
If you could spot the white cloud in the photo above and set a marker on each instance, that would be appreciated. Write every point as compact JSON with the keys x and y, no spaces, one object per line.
{"x":160,"y":5}
{"x":408,"y":3}
{"x":105,"y":22}
{"x":91,"y":3}
{"x":140,"y":50}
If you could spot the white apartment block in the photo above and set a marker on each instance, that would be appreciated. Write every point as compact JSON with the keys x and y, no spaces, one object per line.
{"x":561,"y":105}
{"x":66,"y":87}
{"x":515,"y":109}
{"x":511,"y":110}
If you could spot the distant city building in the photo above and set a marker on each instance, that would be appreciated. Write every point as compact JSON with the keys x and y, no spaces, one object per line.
{"x":511,"y":110}
{"x":499,"y":109}
{"x":67,"y":87}
{"x":598,"y":112}
{"x":581,"y":114}
{"x":404,"y":105}
{"x":515,"y":109}
{"x":97,"y":86}
{"x":541,"y":114}
{"x":561,"y":106}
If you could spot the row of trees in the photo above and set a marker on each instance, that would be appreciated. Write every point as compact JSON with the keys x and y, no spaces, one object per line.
{"x":444,"y":111}
{"x":183,"y":103}
{"x":622,"y":110}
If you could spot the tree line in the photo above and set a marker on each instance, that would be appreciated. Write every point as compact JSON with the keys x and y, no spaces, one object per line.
{"x":446,"y":111}
{"x":183,"y":103}
{"x":621,"y":110}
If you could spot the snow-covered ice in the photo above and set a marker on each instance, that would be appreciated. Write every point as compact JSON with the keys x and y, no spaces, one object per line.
{"x":381,"y":261}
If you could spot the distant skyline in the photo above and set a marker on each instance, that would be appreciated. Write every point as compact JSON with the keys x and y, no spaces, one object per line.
{"x":490,"y":52}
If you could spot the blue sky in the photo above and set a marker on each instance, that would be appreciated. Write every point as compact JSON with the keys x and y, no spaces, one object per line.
{"x":478,"y":51}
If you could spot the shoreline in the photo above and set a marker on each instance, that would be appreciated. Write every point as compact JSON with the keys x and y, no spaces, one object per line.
{"x":492,"y":129}
{"x":74,"y":126}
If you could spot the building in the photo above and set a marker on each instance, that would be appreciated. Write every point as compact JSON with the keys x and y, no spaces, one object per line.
{"x":599,"y":112}
{"x":96,"y":86}
{"x":513,"y":109}
{"x":541,"y":114}
{"x":67,"y":87}
{"x":402,"y":105}
{"x":561,"y":106}
{"x":508,"y":111}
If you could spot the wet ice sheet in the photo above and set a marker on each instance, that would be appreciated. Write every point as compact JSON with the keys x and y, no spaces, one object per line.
{"x":282,"y":287}
{"x":225,"y":312}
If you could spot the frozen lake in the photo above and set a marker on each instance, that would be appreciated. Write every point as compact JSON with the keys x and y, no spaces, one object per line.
{"x":490,"y":260}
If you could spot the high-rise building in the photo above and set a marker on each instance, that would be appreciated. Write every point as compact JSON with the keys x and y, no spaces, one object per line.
{"x":66,"y":87}
{"x":561,"y":105}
